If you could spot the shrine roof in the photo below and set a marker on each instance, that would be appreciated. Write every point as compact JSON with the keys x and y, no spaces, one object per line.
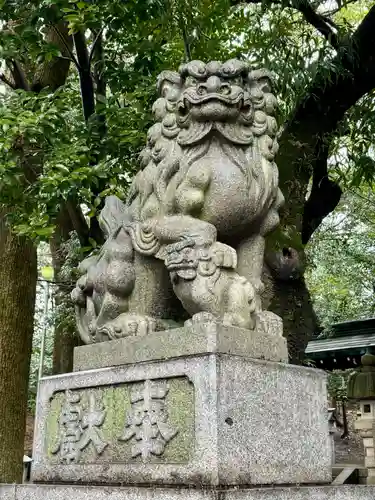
{"x":348,"y":335}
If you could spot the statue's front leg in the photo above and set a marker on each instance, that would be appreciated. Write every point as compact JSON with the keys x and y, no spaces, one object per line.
{"x":203,"y":272}
{"x":240,"y":304}
{"x":205,"y":281}
{"x":250,"y":255}
{"x":85,"y":313}
{"x":83,"y":300}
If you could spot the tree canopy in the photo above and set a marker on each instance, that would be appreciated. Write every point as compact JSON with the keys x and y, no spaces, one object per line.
{"x":75,"y":105}
{"x":341,"y":261}
{"x":67,"y":142}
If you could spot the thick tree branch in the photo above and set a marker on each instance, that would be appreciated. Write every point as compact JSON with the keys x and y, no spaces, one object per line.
{"x":97,"y":56}
{"x":186,"y":42}
{"x":332,"y":93}
{"x":98,"y":37}
{"x":78,"y":222}
{"x":19,"y":77}
{"x":318,"y":21}
{"x":86,"y":82}
{"x":325,"y":193}
{"x":66,"y":45}
{"x":100,"y":83}
{"x":88,"y":98}
{"x":52,"y":72}
{"x":8,"y":82}
{"x":334,"y":11}
{"x":306,"y":139}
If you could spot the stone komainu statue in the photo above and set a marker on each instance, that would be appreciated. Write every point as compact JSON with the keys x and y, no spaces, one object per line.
{"x":194,"y":223}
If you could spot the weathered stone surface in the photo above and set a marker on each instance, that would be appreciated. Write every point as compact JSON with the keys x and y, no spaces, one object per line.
{"x":69,"y":492}
{"x":200,"y":338}
{"x":361,"y":384}
{"x":361,"y":387}
{"x":272,"y":406}
{"x":7,"y":491}
{"x":113,"y":435}
{"x":208,"y":177}
{"x":304,"y":493}
{"x":210,"y":419}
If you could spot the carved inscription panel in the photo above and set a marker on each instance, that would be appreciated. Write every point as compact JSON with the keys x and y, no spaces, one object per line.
{"x":150,"y":421}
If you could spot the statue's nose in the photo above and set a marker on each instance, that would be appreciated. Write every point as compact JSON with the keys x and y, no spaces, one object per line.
{"x":213,"y":85}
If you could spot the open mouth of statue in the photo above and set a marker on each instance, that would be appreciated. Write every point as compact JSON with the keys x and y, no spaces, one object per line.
{"x":238,"y":103}
{"x":196,"y":99}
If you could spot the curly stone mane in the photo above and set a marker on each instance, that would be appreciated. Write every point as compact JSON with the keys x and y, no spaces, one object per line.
{"x":197,"y":213}
{"x":185,"y":124}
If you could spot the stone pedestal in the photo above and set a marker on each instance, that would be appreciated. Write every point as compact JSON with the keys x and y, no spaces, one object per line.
{"x":361,"y":387}
{"x":366,"y":428}
{"x":198,"y":338}
{"x":70,"y":492}
{"x":210,"y":418}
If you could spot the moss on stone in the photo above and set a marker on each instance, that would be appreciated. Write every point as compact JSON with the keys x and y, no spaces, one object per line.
{"x":115,"y":401}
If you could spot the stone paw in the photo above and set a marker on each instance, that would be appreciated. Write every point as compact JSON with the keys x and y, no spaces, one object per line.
{"x":239,"y":320}
{"x":201,"y":317}
{"x":127,"y":325}
{"x":78,"y":297}
{"x":270,"y":323}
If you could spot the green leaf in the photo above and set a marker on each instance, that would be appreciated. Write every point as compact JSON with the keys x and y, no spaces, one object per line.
{"x":45,"y":231}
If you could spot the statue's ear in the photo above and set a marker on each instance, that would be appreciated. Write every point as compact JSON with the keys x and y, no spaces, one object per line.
{"x":114,"y":214}
{"x":169,"y":85}
{"x":223,"y":255}
{"x":260,"y":83}
{"x":261,"y":79}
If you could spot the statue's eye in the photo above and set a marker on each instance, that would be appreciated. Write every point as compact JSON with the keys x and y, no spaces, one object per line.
{"x":191,"y":81}
{"x":237,"y":81}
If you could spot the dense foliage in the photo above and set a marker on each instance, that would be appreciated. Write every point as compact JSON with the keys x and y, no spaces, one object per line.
{"x":337,"y":384}
{"x":75,"y":141}
{"x":341,"y":261}
{"x":138,"y":40}
{"x":43,"y":327}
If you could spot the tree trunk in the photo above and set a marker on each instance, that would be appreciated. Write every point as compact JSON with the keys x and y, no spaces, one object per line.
{"x":345,"y":421}
{"x":65,"y":337}
{"x":18,"y":273}
{"x":290,"y":299}
{"x":65,"y":341}
{"x":304,"y":149}
{"x":53,"y":75}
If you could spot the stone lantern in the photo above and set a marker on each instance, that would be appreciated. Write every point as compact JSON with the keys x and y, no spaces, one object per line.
{"x":361,"y":387}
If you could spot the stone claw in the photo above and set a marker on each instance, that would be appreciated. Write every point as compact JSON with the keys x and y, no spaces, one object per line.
{"x":78,"y":297}
{"x":270,"y":323}
{"x":201,"y":317}
{"x":127,"y":325}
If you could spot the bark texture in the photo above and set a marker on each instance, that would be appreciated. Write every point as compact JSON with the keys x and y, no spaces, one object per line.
{"x":304,"y":150}
{"x":18,"y":273}
{"x":65,"y":338}
{"x":53,"y":73}
{"x":288,"y":296}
